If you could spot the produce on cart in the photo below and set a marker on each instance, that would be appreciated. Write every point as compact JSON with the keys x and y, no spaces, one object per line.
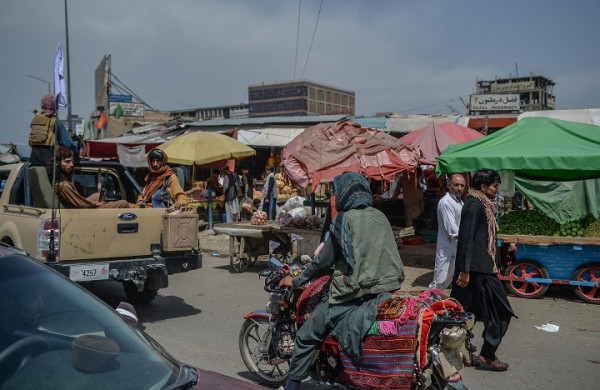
{"x":560,"y":177}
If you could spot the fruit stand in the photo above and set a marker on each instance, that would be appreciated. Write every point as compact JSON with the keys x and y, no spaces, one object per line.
{"x":540,"y":255}
{"x":543,"y":260}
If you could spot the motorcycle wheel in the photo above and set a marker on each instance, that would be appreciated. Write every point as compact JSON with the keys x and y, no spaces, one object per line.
{"x":256,"y":353}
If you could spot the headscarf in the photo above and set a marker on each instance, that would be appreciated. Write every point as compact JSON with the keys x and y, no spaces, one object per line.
{"x":48,"y":104}
{"x":154,"y":178}
{"x":351,"y":191}
{"x":490,"y":216}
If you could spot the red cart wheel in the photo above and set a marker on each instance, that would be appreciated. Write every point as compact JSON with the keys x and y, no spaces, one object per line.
{"x":588,"y":273}
{"x":526,"y":269}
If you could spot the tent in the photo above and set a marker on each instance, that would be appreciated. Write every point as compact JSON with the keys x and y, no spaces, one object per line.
{"x":434,"y":138}
{"x":538,"y":148}
{"x":326,"y":150}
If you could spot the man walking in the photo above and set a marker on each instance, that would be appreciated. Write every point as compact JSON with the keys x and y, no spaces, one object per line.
{"x":448,"y":217}
{"x":476,"y":284}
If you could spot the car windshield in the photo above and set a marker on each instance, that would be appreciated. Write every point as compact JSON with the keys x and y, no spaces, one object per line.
{"x":55,"y":335}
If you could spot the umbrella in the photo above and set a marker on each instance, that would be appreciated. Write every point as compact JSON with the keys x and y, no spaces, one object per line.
{"x":328,"y":149}
{"x":201,"y":147}
{"x":434,"y":138}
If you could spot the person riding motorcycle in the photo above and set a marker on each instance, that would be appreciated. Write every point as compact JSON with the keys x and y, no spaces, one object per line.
{"x":362,"y":249}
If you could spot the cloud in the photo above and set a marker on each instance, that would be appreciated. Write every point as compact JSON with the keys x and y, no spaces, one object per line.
{"x":396,"y":56}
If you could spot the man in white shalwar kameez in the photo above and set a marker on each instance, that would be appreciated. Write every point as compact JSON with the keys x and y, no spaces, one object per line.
{"x":448,"y":216}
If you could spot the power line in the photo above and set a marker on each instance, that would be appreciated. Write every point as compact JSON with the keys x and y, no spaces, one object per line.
{"x":434,"y":104}
{"x":311,"y":41}
{"x":297,"y":39}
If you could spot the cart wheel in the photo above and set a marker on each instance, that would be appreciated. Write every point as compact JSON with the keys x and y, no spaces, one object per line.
{"x":527,"y":269}
{"x":588,"y":273}
{"x":239,"y":261}
{"x":240,"y":264}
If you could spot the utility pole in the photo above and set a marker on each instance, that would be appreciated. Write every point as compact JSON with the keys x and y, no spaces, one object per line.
{"x":69,"y":113}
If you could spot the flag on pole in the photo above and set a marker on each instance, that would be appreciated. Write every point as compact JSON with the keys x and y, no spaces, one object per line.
{"x":102,"y":121}
{"x":60,"y":92}
{"x":118,"y":112}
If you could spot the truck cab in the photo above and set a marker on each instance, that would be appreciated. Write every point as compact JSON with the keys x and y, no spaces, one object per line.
{"x":138,"y":246}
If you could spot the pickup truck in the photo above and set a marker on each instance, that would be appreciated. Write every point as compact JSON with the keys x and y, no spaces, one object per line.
{"x":139,"y":247}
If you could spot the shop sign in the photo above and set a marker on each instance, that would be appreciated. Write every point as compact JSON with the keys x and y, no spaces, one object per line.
{"x":496,"y":102}
{"x":129,"y":109}
{"x":517,"y":86}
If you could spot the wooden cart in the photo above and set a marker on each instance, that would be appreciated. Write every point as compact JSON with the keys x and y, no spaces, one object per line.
{"x":543,"y":260}
{"x":248,"y":242}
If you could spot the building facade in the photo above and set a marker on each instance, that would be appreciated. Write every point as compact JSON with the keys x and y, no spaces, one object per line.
{"x":512,"y":95}
{"x":218,"y":112}
{"x":299,"y":98}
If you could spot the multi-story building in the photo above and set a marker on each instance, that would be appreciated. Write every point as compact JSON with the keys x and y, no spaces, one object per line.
{"x":299,"y":98}
{"x":218,"y":112}
{"x":512,"y":95}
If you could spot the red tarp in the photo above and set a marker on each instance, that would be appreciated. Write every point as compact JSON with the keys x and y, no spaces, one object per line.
{"x":326,"y":150}
{"x":436,"y":137}
{"x":108,"y":150}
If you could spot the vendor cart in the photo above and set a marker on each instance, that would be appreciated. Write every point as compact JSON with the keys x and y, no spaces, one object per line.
{"x":248,"y":242}
{"x":538,"y":261}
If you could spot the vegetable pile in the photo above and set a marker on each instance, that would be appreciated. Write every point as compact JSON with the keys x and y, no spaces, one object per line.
{"x":593,"y":229}
{"x":258,"y":218}
{"x":575,"y":228}
{"x":528,"y":222}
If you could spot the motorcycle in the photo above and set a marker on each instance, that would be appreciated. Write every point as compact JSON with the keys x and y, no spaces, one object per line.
{"x":266,"y":342}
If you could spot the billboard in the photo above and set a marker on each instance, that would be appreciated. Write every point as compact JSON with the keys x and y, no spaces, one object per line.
{"x":129,"y":109}
{"x":516,"y":86}
{"x":496,"y":102}
{"x":100,"y":81}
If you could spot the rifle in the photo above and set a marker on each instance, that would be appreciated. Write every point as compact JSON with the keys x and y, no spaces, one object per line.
{"x":102,"y":197}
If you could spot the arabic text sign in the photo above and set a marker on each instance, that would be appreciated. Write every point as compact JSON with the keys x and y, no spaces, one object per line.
{"x":496,"y":102}
{"x":517,"y":86}
{"x":129,"y":109}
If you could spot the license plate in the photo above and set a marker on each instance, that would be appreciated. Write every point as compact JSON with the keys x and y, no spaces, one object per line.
{"x":82,"y":273}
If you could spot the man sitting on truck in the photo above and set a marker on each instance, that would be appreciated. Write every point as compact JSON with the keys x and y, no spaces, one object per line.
{"x":67,"y":192}
{"x":162,"y":188}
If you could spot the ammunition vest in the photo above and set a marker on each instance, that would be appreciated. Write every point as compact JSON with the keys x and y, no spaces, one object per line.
{"x":42,"y":130}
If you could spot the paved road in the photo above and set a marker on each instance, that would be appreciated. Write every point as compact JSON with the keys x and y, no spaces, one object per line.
{"x":198,"y":317}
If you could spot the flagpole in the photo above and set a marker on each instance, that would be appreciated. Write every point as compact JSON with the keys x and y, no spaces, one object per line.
{"x":69,"y":115}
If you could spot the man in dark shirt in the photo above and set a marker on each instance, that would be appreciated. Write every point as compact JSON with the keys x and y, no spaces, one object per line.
{"x":477,"y":286}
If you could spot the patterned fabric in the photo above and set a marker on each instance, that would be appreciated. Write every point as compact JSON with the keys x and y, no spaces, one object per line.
{"x":394,"y":346}
{"x":490,"y":215}
{"x":310,"y":298}
{"x":388,"y":362}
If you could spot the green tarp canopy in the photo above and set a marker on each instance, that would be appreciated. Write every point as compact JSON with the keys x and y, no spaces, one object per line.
{"x":537,"y":148}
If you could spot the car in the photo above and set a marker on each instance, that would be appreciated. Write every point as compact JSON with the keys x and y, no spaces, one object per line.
{"x":54,"y":334}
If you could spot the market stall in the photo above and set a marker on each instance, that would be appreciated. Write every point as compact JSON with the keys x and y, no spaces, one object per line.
{"x":200,"y":147}
{"x":326,"y":150}
{"x":547,"y":150}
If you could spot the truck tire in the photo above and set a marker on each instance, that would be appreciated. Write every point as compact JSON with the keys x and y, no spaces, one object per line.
{"x":135,"y":296}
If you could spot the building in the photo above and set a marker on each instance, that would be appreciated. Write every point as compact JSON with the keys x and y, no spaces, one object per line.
{"x":512,"y":95}
{"x":219,"y":112}
{"x":299,"y":98}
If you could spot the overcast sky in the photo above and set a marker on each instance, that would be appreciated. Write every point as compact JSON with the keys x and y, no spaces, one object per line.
{"x":402,"y":56}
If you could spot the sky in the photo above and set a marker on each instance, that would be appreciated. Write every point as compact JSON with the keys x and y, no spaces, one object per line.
{"x":408,"y":57}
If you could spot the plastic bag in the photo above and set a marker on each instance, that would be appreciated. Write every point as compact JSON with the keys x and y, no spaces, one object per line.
{"x":292,"y":203}
{"x":298,"y":212}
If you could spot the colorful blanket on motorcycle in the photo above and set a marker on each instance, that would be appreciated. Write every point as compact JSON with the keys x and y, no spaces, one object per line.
{"x":393,"y":349}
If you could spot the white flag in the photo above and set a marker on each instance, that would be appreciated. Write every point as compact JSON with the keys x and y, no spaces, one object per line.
{"x":60,"y":93}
